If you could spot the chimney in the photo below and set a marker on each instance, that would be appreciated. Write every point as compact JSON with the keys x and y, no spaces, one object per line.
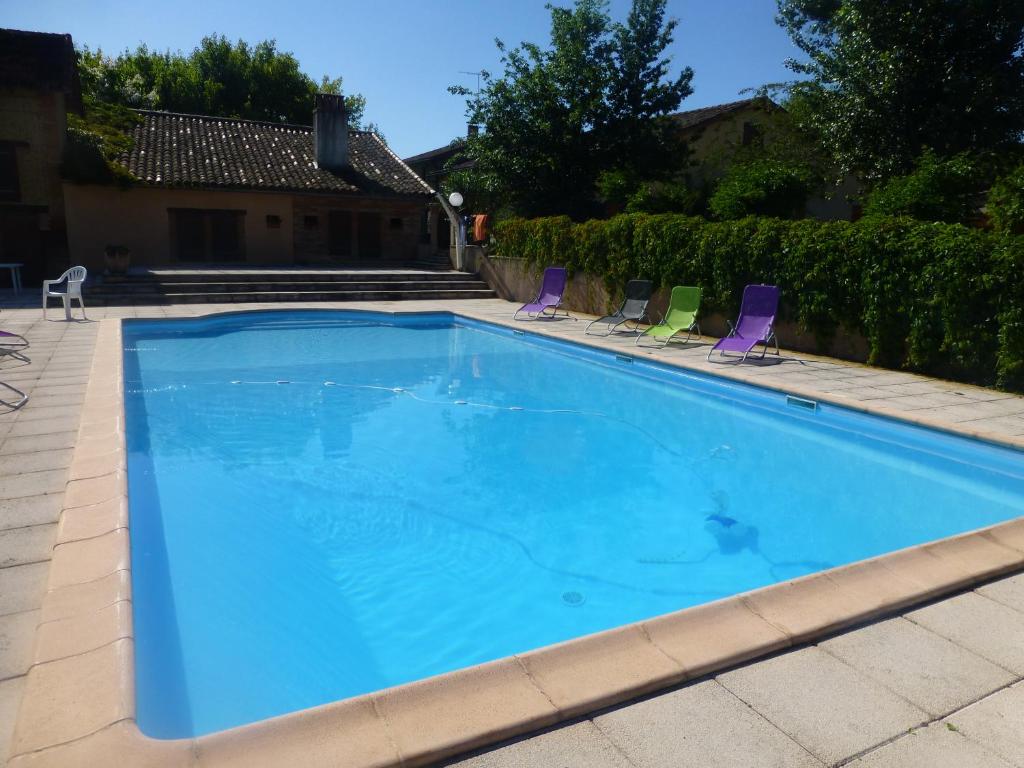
{"x":472,"y":130}
{"x":330,"y":131}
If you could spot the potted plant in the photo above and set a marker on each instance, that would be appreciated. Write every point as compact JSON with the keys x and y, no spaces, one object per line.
{"x":117,"y":259}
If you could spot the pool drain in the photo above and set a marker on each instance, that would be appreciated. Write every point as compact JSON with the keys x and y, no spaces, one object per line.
{"x":573,"y":598}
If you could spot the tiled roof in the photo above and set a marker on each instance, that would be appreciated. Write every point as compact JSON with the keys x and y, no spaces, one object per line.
{"x":704,"y":114}
{"x":38,"y":60}
{"x":175,"y":150}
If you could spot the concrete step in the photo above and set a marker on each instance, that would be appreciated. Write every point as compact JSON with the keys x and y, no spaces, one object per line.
{"x":290,"y":286}
{"x":209,"y":297}
{"x":286,"y":276}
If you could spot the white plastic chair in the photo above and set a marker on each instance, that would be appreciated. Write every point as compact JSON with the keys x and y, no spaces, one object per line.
{"x":73,"y":290}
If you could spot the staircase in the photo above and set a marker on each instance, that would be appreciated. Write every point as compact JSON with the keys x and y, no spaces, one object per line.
{"x":221,"y":285}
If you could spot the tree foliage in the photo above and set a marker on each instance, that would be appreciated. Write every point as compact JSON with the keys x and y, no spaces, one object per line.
{"x":1006,"y":202}
{"x":559,"y":116}
{"x":888,"y":78}
{"x":256,"y":82}
{"x":763,"y":187}
{"x":937,"y":189}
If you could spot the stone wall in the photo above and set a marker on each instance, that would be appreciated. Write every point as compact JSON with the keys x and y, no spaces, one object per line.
{"x":516,"y":281}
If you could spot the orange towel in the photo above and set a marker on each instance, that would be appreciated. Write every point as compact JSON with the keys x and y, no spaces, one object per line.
{"x":480,"y":225}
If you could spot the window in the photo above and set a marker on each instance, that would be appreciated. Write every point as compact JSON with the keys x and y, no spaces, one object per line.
{"x":310,"y":222}
{"x":10,"y":189}
{"x":751,"y":134}
{"x":207,"y":235}
{"x":395,"y":223}
{"x":273,"y":222}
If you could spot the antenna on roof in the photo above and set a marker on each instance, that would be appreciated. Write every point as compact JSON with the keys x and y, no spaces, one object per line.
{"x":478,"y":74}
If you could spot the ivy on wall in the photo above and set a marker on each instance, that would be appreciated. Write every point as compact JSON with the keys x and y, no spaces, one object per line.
{"x":935,"y":298}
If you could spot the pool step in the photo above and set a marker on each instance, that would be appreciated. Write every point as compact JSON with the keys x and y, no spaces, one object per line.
{"x":173,"y":286}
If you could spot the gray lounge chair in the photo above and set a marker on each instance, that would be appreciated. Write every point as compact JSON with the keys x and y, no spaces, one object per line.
{"x":634,"y":307}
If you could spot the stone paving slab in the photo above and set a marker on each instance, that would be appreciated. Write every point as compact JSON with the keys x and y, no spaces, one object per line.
{"x":582,"y":745}
{"x":933,"y":747}
{"x":10,"y":698}
{"x":926,"y":669}
{"x":1009,"y":592}
{"x":16,"y":633}
{"x":684,"y":729}
{"x":22,"y":586}
{"x":32,"y":544}
{"x":997,"y":723}
{"x":989,"y":629}
{"x":30,"y":510}
{"x":823,"y":704}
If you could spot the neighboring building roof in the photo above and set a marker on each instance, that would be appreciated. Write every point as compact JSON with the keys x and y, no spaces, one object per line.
{"x":174,"y":150}
{"x":695,"y":117}
{"x":38,"y":60}
{"x":447,"y":149}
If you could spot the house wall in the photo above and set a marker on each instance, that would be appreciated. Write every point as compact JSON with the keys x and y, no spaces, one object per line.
{"x":138,"y":218}
{"x":397,"y":244}
{"x":32,"y":228}
{"x":714,"y":145}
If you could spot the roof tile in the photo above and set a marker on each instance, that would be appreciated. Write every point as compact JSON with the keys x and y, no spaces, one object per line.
{"x":177,"y":150}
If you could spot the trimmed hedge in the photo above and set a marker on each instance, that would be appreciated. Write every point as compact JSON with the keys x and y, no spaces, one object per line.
{"x":935,"y":298}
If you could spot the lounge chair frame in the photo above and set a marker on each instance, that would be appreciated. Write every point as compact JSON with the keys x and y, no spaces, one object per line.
{"x":12,"y":405}
{"x":9,"y":348}
{"x":663,"y":323}
{"x":769,"y":339}
{"x":619,"y":315}
{"x":540,"y":294}
{"x":756,"y":299}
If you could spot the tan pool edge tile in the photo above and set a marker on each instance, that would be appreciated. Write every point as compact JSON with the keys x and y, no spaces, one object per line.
{"x":74,"y":697}
{"x":597,"y":670}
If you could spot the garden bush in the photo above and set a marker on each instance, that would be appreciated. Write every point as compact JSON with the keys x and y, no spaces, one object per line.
{"x":765,"y":187}
{"x":1006,"y":202}
{"x":936,"y":298}
{"x":938,"y":189}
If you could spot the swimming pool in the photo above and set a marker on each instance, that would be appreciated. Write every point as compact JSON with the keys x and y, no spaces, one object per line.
{"x":329,"y":503}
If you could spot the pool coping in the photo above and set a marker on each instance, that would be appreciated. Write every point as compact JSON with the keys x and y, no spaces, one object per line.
{"x":78,"y":705}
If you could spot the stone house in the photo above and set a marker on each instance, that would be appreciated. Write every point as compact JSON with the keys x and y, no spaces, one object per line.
{"x":38,"y":86}
{"x":214,"y":190}
{"x":714,"y":135}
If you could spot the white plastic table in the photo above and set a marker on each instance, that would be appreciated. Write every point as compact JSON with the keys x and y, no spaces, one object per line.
{"x":15,"y":270}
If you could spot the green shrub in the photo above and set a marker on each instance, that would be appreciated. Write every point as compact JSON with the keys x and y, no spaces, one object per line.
{"x":765,"y":187}
{"x":937,"y":298}
{"x":1006,"y":202}
{"x":938,"y":189}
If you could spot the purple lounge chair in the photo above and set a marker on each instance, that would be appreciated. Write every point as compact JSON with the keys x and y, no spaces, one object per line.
{"x":756,"y":323}
{"x":550,"y":296}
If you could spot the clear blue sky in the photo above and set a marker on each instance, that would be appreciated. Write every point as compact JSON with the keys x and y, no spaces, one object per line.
{"x":402,"y":54}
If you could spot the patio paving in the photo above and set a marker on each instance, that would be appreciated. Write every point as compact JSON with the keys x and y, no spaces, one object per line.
{"x":940,"y":685}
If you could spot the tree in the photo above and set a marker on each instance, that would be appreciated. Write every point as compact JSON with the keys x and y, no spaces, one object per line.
{"x":763,"y":187}
{"x":217,"y":78}
{"x":937,"y":189}
{"x":558,"y":116}
{"x":888,"y":78}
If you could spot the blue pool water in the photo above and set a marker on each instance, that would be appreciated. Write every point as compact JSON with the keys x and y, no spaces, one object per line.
{"x":428,"y":493}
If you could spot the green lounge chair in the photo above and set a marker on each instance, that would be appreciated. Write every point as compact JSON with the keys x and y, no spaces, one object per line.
{"x":681,"y":316}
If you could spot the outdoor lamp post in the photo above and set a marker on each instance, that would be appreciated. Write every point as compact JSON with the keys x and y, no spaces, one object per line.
{"x":451,"y":206}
